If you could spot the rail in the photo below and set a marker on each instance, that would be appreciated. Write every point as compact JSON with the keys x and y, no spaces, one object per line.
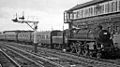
{"x":14,"y":62}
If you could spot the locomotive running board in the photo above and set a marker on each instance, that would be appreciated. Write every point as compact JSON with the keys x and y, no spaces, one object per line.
{"x":82,"y":39}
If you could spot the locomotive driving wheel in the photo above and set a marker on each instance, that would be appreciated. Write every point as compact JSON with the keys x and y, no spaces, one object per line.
{"x":72,"y":48}
{"x":98,"y":55}
{"x":79,"y":51}
{"x":75,"y":48}
{"x":78,"y":48}
{"x":85,"y":52}
{"x":90,"y":54}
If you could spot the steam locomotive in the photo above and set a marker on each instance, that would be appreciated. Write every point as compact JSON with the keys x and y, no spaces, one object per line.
{"x":89,"y":42}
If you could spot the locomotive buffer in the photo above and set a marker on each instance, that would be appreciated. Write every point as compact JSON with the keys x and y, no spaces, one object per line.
{"x":35,"y":23}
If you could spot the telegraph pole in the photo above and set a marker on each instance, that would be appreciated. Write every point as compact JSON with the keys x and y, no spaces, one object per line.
{"x":35,"y":23}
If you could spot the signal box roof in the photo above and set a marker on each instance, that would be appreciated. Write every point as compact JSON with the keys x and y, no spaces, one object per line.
{"x":78,"y":6}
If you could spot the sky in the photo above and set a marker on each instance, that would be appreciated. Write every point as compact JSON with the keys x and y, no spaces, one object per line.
{"x":49,"y":13}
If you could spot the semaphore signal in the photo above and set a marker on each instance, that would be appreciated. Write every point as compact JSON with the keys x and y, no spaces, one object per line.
{"x":35,"y":23}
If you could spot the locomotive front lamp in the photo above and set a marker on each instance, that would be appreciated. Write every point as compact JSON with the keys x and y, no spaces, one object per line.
{"x":105,"y":33}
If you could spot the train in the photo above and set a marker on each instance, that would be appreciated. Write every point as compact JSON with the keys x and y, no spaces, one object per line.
{"x":89,"y":44}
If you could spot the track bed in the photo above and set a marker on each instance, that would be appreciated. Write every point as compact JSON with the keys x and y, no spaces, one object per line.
{"x":67,"y":59}
{"x":6,"y":61}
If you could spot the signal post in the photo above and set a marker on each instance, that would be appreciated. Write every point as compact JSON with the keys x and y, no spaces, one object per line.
{"x":35,"y":23}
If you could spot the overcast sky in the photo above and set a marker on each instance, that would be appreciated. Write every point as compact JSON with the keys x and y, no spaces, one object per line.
{"x":49,"y":13}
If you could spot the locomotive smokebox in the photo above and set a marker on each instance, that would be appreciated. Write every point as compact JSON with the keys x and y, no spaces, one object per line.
{"x":104,"y":36}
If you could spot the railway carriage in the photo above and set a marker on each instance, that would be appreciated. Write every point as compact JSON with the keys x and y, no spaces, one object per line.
{"x":44,"y":37}
{"x":11,"y":36}
{"x":2,"y":37}
{"x":59,"y":40}
{"x":25,"y":37}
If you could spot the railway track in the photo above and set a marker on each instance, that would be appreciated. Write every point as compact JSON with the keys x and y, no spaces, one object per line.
{"x":7,"y":61}
{"x":77,"y":60}
{"x":60,"y":62}
{"x":37,"y":59}
{"x":48,"y":61}
{"x":45,"y":62}
{"x":85,"y":61}
{"x":22,"y":60}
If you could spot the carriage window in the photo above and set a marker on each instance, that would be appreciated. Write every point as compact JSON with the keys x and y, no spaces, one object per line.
{"x":42,"y":36}
{"x":39,"y":36}
{"x":47,"y":36}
